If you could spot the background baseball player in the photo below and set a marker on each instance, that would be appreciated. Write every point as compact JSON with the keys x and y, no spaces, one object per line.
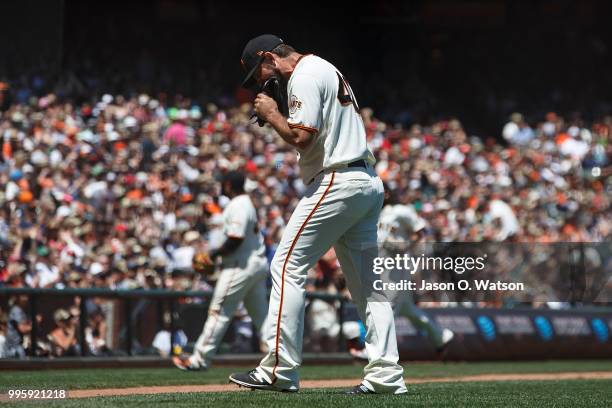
{"x":340,"y":208}
{"x":400,"y":223}
{"x":242,"y":278}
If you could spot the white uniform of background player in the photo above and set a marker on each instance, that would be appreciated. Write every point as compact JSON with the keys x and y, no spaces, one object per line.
{"x":242,"y":279}
{"x":340,"y":208}
{"x":398,"y":223}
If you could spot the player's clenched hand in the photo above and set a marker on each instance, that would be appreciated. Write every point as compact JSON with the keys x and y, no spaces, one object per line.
{"x":265,"y":106}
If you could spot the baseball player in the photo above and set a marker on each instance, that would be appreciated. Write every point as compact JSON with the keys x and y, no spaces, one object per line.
{"x":400,"y":223}
{"x":242,"y":278}
{"x":339,"y":208}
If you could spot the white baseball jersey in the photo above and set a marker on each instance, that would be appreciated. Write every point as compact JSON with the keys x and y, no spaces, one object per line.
{"x":240,"y":221}
{"x":398,"y":222}
{"x":322,"y":101}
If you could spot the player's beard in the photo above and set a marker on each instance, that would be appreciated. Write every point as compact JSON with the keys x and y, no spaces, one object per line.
{"x":281,"y":80}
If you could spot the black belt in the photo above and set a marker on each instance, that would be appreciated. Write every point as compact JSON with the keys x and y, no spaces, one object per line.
{"x":356,"y":163}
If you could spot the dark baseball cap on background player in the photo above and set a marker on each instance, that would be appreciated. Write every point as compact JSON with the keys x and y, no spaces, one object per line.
{"x":253,"y":55}
{"x":236,"y":180}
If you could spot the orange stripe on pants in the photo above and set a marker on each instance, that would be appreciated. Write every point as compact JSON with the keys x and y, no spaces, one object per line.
{"x":297,"y":236}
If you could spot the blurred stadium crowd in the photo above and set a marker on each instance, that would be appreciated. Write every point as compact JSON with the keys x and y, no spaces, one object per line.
{"x":121,"y":192}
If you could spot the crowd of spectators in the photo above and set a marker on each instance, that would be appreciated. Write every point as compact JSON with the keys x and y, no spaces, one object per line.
{"x":120,"y":192}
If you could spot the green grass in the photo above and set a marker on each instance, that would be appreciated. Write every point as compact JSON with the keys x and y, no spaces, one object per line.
{"x":132,"y":377}
{"x":584,"y":393}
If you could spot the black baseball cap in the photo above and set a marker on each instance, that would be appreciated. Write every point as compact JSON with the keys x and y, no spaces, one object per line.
{"x":252,"y":55}
{"x":236,"y":179}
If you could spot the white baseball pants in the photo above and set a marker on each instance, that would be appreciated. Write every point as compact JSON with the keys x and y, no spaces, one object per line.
{"x":241,"y":283}
{"x":420,"y":320}
{"x":339,"y":209}
{"x":403,"y":305}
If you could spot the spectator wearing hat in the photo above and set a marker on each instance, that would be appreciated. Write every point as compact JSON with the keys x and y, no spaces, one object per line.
{"x":63,"y":338}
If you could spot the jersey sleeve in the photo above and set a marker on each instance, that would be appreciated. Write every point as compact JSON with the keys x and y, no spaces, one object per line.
{"x":236,"y":224}
{"x":305,"y":103}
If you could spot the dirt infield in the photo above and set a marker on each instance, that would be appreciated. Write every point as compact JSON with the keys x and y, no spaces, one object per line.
{"x":305,"y":384}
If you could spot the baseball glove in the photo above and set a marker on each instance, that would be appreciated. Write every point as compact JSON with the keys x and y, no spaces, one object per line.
{"x":274,"y":88}
{"x":203,"y":264}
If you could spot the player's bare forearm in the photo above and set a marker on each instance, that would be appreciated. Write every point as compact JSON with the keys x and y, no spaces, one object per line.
{"x":267,"y":109}
{"x":296,"y":137}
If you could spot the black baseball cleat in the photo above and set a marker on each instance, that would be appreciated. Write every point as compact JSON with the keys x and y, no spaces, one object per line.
{"x":251,"y":380}
{"x":359,"y":389}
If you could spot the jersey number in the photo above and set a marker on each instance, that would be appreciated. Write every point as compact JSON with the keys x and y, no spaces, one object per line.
{"x":345,"y":93}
